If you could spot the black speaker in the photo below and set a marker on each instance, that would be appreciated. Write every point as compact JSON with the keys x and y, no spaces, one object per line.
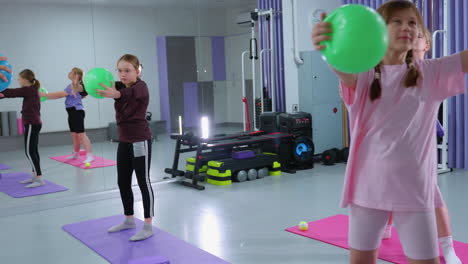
{"x":258,"y":110}
{"x":297,"y":151}
{"x":299,"y":124}
{"x":269,"y":122}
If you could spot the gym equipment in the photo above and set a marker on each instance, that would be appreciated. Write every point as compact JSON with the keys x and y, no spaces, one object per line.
{"x":222,"y":172}
{"x":255,"y":55}
{"x":329,"y":157}
{"x":297,"y":151}
{"x":254,"y":140}
{"x":262,"y":105}
{"x":344,"y":153}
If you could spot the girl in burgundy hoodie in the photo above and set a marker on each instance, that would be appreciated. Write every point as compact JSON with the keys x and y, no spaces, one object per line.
{"x":31,"y":115}
{"x":134,"y":151}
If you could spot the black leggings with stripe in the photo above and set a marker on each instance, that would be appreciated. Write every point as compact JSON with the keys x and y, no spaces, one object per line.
{"x":31,"y":140}
{"x":135,"y":157}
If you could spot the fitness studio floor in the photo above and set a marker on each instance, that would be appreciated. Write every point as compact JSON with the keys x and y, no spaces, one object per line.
{"x":241,"y":223}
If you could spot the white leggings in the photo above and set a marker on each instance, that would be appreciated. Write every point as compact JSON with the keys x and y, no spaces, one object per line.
{"x":417,"y":231}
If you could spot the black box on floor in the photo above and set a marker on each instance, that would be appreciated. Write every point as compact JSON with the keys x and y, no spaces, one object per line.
{"x":269,"y":122}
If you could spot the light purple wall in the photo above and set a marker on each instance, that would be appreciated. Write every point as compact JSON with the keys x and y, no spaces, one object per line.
{"x":163,"y":81}
{"x":218,"y":57}
{"x":278,"y":61}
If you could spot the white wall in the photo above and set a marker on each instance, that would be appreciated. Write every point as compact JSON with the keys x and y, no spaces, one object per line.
{"x":307,"y":13}
{"x":50,"y":39}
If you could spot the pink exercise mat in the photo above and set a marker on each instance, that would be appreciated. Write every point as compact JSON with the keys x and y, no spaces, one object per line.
{"x":334,"y":230}
{"x":97,"y":163}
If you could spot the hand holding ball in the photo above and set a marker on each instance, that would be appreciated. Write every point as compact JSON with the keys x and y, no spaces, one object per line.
{"x":43,"y":90}
{"x":359,"y":39}
{"x":3,"y":66}
{"x":94,"y":77}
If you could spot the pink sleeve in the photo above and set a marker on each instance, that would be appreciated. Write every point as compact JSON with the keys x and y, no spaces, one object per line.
{"x":347,"y":94}
{"x":443,"y":77}
{"x":363,"y":82}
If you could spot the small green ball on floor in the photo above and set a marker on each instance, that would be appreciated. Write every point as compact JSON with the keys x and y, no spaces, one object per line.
{"x":303,"y":226}
{"x":87,"y":164}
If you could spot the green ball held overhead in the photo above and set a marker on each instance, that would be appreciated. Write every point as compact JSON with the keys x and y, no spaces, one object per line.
{"x":43,"y":90}
{"x":94,"y":77}
{"x":359,"y":39}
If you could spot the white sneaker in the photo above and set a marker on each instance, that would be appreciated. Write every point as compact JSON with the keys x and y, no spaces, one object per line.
{"x":74,"y":155}
{"x":89,"y":159}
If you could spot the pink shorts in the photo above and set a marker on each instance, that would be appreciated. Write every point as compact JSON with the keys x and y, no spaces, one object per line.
{"x":417,"y":231}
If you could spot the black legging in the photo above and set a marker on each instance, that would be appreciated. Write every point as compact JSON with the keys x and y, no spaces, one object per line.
{"x":135,"y":157}
{"x":31,"y":140}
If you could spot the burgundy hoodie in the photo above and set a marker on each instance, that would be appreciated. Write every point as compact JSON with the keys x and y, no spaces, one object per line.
{"x":31,"y":112}
{"x":130,"y":112}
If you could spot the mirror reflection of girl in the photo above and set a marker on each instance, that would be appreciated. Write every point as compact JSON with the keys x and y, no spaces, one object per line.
{"x":76,"y":113}
{"x":131,"y":99}
{"x":444,"y":232}
{"x":31,"y":116}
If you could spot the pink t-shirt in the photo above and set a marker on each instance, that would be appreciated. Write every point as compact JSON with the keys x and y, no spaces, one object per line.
{"x":393,"y":161}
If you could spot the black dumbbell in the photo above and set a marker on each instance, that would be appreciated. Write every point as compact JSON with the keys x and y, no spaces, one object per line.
{"x":330,"y":157}
{"x":344,"y":154}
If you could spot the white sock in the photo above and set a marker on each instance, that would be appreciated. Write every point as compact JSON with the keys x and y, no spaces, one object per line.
{"x":446,"y":243}
{"x":387,"y":232}
{"x":74,"y":155}
{"x":36,"y":183}
{"x":89,"y":158}
{"x":28,"y":180}
{"x":145,"y":232}
{"x":127,"y":224}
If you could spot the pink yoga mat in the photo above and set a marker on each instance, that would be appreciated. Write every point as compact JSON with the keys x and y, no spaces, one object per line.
{"x":97,"y":163}
{"x":334,"y":230}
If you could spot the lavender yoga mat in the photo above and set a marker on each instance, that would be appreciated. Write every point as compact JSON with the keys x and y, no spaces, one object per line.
{"x":4,"y":167}
{"x":9,"y":184}
{"x":334,"y":230}
{"x":116,"y":248}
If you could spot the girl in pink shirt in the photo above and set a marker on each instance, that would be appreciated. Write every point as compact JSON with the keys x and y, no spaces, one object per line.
{"x":392,"y":165}
{"x":423,"y":45}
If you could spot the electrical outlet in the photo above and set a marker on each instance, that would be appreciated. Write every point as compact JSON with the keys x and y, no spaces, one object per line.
{"x":295,"y":107}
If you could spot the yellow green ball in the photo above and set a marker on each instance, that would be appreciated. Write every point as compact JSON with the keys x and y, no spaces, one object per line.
{"x":303,"y":226}
{"x":87,"y":164}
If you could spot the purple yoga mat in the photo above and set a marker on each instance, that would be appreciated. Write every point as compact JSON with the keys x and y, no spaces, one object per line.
{"x":116,"y":248}
{"x":9,"y":184}
{"x":4,"y":167}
